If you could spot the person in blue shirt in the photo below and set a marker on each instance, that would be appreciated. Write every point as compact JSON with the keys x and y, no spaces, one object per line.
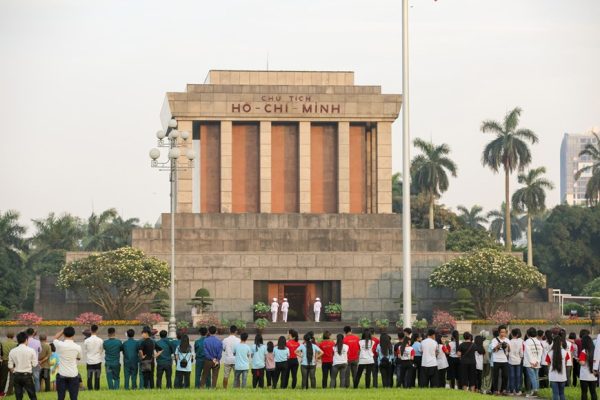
{"x":282,"y":354}
{"x":310,"y":353}
{"x":199,"y":350}
{"x":164,"y":360}
{"x":416,"y":345}
{"x":213,"y":350}
{"x":259,"y":355}
{"x":385,"y":360}
{"x":131,"y":359}
{"x":112,"y":355}
{"x":184,"y":358}
{"x":242,"y":355}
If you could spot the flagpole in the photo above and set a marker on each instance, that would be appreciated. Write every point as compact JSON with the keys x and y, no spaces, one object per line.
{"x":406,"y":233}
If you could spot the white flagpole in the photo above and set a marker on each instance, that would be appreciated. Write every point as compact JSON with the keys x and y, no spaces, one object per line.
{"x":406,"y":264}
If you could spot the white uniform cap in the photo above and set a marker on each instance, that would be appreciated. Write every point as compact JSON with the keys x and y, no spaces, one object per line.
{"x":285,"y":299}
{"x":274,"y":298}
{"x":318,"y":299}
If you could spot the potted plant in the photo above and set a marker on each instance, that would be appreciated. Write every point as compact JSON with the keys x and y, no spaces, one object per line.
{"x":364,"y":322}
{"x":420,"y":325}
{"x":261,"y":324}
{"x":240,"y":324}
{"x":202,"y":300}
{"x":443,"y":321}
{"x":261,"y":310}
{"x":183,"y":326}
{"x":223,"y":326}
{"x":160,"y":304}
{"x":382,"y":324}
{"x":333,"y":311}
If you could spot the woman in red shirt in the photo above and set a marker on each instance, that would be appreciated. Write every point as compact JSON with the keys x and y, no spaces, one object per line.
{"x":293,"y":345}
{"x":326,"y":346}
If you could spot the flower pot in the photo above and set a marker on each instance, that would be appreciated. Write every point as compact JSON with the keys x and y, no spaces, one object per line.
{"x":262,"y":314}
{"x":334,"y":317}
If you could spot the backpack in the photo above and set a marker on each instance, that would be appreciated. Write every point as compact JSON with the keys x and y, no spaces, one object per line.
{"x":183,"y":363}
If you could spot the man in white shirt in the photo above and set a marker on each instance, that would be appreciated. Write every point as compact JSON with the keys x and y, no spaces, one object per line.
{"x":317,"y":309}
{"x":285,"y":307}
{"x":21,"y":361}
{"x":228,"y":359}
{"x":500,"y":350}
{"x":429,"y":348}
{"x":93,"y":348}
{"x":68,"y":353}
{"x":274,"y":309}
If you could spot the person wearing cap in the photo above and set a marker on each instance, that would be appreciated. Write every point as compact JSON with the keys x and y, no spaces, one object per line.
{"x":285,"y":306}
{"x":317,"y":309}
{"x":274,"y":309}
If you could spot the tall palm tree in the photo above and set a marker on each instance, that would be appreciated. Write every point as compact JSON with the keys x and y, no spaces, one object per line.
{"x":63,"y":232}
{"x":96,"y":237}
{"x":472,"y":218}
{"x":592,"y":190}
{"x":509,"y":151}
{"x":11,"y":236}
{"x":119,"y":231}
{"x":498,"y":227}
{"x":531,"y":199}
{"x":428,"y":171}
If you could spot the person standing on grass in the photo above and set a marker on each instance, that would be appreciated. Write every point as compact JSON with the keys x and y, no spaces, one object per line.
{"x":35,"y":344}
{"x":556,"y":359}
{"x":200,"y":356}
{"x":309,"y":353}
{"x":147,"y":354}
{"x":579,"y":344}
{"x":546,"y":340}
{"x":164,"y":361}
{"x":94,"y":352}
{"x":69,"y":352}
{"x":375,"y":381}
{"x":385,"y":355}
{"x":340,"y":362}
{"x":467,"y":352}
{"x":184,"y":359}
{"x":365,"y":359}
{"x":292,"y":368}
{"x":259,"y":355}
{"x":515,"y":362}
{"x":242,"y":355}
{"x":429,"y":348}
{"x":281,"y":354}
{"x":453,"y":360}
{"x":213,"y":351}
{"x":353,"y":354}
{"x":112,"y":353}
{"x":228,"y":359}
{"x":500,"y":351}
{"x":269,"y":364}
{"x":415,"y":341}
{"x":479,"y":362}
{"x":44,"y":362}
{"x":588,"y":371}
{"x":532,"y":359}
{"x":6,"y":384}
{"x":442,"y":362}
{"x":326,"y":345}
{"x":21,"y":362}
{"x":131,"y":359}
{"x":572,"y":349}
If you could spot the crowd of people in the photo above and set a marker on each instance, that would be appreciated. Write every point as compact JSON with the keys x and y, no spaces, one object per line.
{"x":508,"y":363}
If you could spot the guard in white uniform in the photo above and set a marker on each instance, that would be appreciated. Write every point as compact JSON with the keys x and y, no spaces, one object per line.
{"x":285,"y":306}
{"x":317,"y":309}
{"x":274,"y":309}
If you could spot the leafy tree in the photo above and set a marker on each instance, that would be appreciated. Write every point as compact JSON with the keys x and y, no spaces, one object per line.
{"x":16,"y":282}
{"x":96,"y":237}
{"x":160,"y":304}
{"x":509,"y":151}
{"x":468,"y":239}
{"x":120,"y":231}
{"x":201,"y":300}
{"x":591,"y":288}
{"x":492,"y":277}
{"x":118,"y":281}
{"x":567,"y":249}
{"x":397,"y":192}
{"x":429,"y":172}
{"x":531,"y":199}
{"x":591,"y":151}
{"x":444,"y":218}
{"x":498,"y":228}
{"x":462,"y":307}
{"x":473,"y":217}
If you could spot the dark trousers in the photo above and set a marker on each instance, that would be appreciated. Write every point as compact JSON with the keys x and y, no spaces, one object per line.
{"x":167,"y":370}
{"x":131,"y":372}
{"x":270,"y":373}
{"x":499,"y":370}
{"x":428,"y":377}
{"x":576,"y":369}
{"x":113,"y":376}
{"x":198,"y":372}
{"x":148,"y":379}
{"x":368,"y":368}
{"x":468,"y":375}
{"x":308,"y":376}
{"x":292,"y":372}
{"x":45,"y":379}
{"x":93,"y":376}
{"x":417,"y":373}
{"x":544,"y":377}
{"x":24,"y":383}
{"x":182,"y":379}
{"x":64,"y":385}
{"x":209,"y":368}
{"x":441,"y":377}
{"x":258,"y":378}
{"x":351,"y":370}
{"x":453,"y":363}
{"x":588,"y":386}
{"x":341,"y":368}
{"x":281,"y":370}
{"x":387,"y":373}
{"x":478,"y":378}
{"x":404,"y":373}
{"x":326,"y":370}
{"x":375,"y":372}
{"x":5,"y":377}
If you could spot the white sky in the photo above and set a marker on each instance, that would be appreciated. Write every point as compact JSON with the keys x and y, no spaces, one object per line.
{"x":82,"y":82}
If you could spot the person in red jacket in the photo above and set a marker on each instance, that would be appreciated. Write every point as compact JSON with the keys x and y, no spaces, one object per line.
{"x":326,"y":347}
{"x":353,"y":353}
{"x":375,"y":357}
{"x":292,"y":344}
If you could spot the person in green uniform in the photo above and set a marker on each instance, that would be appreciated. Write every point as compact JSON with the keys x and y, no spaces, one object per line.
{"x":199,"y":350}
{"x":5,"y":375}
{"x":164,"y":360}
{"x":131,"y":359}
{"x":112,"y":356}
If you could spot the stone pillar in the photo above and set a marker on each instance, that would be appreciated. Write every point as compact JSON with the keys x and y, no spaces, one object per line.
{"x":384,"y":167}
{"x":265,"y":166}
{"x":304,"y":167}
{"x":184,"y":177}
{"x":343,"y":167}
{"x":226,"y":151}
{"x":196,"y":172}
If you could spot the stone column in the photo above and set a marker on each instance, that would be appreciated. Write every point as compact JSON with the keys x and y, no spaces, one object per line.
{"x":304,"y":167}
{"x":184,"y":177}
{"x":226,"y":144}
{"x":384,"y":167}
{"x":196,"y":172}
{"x":343,"y":167}
{"x":265,"y":166}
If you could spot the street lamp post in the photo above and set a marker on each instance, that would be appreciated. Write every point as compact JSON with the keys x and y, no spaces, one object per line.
{"x":173,"y":143}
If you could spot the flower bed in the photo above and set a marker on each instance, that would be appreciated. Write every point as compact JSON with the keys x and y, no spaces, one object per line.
{"x":121,"y":322}
{"x":535,"y":322}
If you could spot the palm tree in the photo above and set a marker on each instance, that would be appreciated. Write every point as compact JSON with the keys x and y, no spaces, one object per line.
{"x":472,"y":218}
{"x":119,"y":231}
{"x":96,"y":237}
{"x":531,"y":199}
{"x":498,"y":227}
{"x":592,"y":190}
{"x":508,"y":150}
{"x":428,"y":171}
{"x":11,"y":236}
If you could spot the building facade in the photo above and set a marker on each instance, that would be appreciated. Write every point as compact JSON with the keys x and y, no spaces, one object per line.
{"x":573,"y":191}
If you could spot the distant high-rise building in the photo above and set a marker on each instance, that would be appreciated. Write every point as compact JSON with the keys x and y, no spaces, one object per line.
{"x":573,"y":191}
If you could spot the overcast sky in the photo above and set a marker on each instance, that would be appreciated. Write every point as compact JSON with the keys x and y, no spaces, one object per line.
{"x":82,"y":82}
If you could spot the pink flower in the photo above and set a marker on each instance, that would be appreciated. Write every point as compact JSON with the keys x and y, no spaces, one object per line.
{"x":29,"y":318}
{"x":89,"y":318}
